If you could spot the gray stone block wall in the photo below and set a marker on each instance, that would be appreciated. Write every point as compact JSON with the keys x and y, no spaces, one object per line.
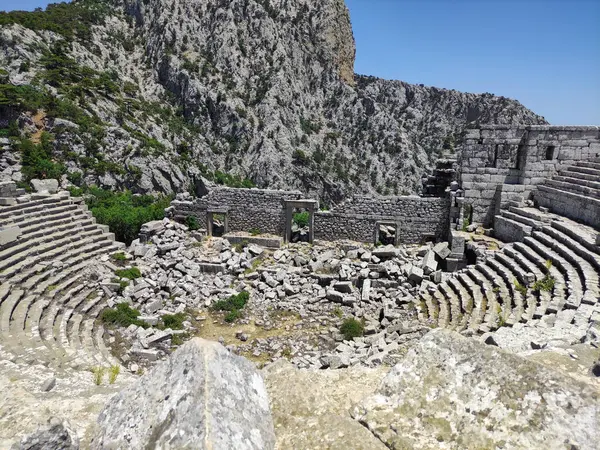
{"x":576,"y":207}
{"x":519,"y":158}
{"x":247,"y":209}
{"x":357,"y":219}
{"x":418,"y":218}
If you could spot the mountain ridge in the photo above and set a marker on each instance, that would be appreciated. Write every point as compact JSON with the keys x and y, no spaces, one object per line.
{"x":241,"y":92}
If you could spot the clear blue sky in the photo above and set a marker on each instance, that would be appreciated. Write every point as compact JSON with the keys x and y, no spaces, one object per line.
{"x":544,"y":53}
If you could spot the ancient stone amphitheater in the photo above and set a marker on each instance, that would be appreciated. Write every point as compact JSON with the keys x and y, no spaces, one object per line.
{"x":48,"y":303}
{"x":535,"y":189}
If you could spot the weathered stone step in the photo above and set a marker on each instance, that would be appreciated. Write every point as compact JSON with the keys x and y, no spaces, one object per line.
{"x":560,"y":286}
{"x":532,"y":213}
{"x":574,"y":285}
{"x":7,"y":307}
{"x":35,"y":254}
{"x":35,"y":216}
{"x":575,"y":188}
{"x":31,"y":206}
{"x":579,"y":181}
{"x":587,"y":273}
{"x":515,"y":304}
{"x":524,"y":278}
{"x":583,"y":235}
{"x":583,"y":169}
{"x":525,"y":220}
{"x":578,"y":175}
{"x":509,"y":230}
{"x":589,"y":164}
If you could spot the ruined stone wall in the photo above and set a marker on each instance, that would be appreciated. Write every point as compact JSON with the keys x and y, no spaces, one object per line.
{"x":417,"y":218}
{"x":247,"y":209}
{"x":518,"y":159}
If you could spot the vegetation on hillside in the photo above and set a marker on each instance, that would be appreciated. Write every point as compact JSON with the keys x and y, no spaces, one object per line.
{"x":123,"y":212}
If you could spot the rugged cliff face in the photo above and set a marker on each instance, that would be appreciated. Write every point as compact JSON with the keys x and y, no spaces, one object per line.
{"x":156,"y":94}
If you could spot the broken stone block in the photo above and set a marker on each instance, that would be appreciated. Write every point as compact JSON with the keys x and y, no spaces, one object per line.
{"x":49,"y":186}
{"x":442,"y":249}
{"x":8,"y":235}
{"x":386,"y":252}
{"x":334,"y":296}
{"x":428,"y":263}
{"x":366,"y":290}
{"x":343,"y":286}
{"x":415,"y":274}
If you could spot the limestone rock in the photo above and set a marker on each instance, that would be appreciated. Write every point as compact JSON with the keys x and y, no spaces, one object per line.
{"x":310,"y":407}
{"x":456,"y":393}
{"x":57,"y":435}
{"x":201,"y":397}
{"x":45,"y":186}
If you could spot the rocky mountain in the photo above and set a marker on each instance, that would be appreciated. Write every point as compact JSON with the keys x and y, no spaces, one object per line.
{"x":160,"y":95}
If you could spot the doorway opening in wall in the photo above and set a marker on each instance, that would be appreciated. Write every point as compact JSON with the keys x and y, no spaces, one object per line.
{"x":300,"y":225}
{"x":550,"y":152}
{"x":386,"y":233}
{"x":219,"y":221}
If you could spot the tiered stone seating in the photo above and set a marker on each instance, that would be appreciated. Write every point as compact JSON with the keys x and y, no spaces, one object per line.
{"x":48,"y":307}
{"x":489,"y":295}
{"x":574,"y":192}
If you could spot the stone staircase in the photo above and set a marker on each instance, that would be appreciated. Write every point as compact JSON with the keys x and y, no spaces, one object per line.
{"x":499,"y":292}
{"x":574,"y":192}
{"x":48,"y":301}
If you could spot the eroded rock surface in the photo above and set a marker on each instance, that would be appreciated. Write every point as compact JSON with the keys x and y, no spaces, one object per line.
{"x":311,"y":408}
{"x":202,"y":397}
{"x":455,"y":393}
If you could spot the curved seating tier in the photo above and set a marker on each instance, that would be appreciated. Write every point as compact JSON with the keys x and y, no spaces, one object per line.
{"x":48,"y":306}
{"x":507,"y":287}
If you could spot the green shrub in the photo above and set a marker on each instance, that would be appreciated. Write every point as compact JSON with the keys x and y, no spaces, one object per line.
{"x":233,"y":305}
{"x":520,"y":288}
{"x":119,"y":256}
{"x":113,"y":373}
{"x":301,"y":219}
{"x":192,"y":223}
{"x":545,"y":284}
{"x":98,"y":374}
{"x":36,"y":159}
{"x":255,"y":231}
{"x":352,"y":328}
{"x":232,"y":316}
{"x":130,"y":274}
{"x":240,"y":246}
{"x":123,"y":212}
{"x":122,"y":315}
{"x":300,"y":157}
{"x":173,"y":321}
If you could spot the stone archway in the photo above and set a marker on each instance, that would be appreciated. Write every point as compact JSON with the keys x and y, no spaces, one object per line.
{"x":310,"y":206}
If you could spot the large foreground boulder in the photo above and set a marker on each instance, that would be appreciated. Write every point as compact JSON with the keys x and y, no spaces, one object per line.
{"x":456,"y":393}
{"x":202,"y":397}
{"x":311,"y":407}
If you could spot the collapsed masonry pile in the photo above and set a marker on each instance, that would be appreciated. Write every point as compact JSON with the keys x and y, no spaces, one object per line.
{"x":182,"y":272}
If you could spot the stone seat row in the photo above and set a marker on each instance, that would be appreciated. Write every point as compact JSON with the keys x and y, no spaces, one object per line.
{"x":48,"y":309}
{"x":500,"y":292}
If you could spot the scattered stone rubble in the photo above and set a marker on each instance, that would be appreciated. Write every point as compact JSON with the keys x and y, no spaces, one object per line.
{"x":320,"y":284}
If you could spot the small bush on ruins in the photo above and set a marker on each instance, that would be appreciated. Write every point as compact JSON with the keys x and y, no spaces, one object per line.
{"x":119,"y":256}
{"x":352,"y":328}
{"x":37,"y":159}
{"x":97,"y":375}
{"x":545,"y":284}
{"x":240,"y":246}
{"x":301,"y":219}
{"x":233,"y":305}
{"x":254,"y":231}
{"x":192,"y":223}
{"x":131,"y":273}
{"x":179,"y":339}
{"x":113,"y":373}
{"x":122,"y":315}
{"x":173,"y":321}
{"x":520,"y":288}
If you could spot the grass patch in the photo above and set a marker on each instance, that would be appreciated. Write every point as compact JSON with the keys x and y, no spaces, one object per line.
{"x":240,"y":246}
{"x":255,"y":231}
{"x":352,"y":328}
{"x":120,"y":256}
{"x":131,"y":273}
{"x":113,"y":373}
{"x":122,"y":315}
{"x":545,"y":284}
{"x":173,"y":321}
{"x":178,"y":339}
{"x":192,"y":223}
{"x":233,"y":306}
{"x":520,"y":288}
{"x":97,"y":375}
